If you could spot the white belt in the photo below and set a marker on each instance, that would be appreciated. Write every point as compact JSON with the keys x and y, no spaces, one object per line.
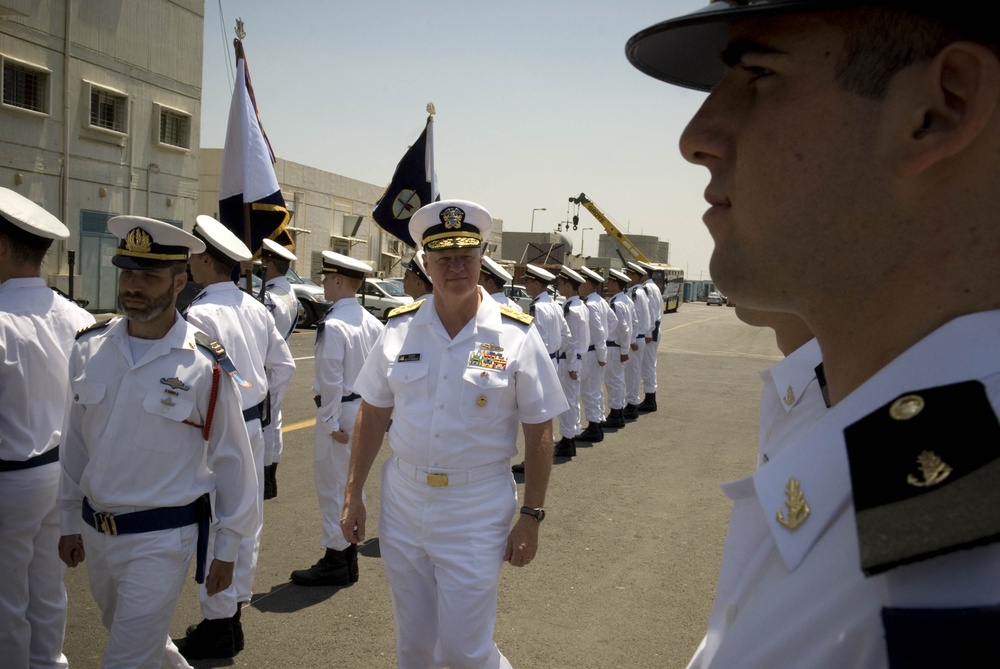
{"x":438,"y":477}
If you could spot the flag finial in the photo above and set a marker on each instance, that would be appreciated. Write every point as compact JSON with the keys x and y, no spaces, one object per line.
{"x":240,"y":33}
{"x":430,"y":108}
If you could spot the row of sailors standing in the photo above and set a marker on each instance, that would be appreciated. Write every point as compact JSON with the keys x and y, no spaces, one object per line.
{"x":592,"y":342}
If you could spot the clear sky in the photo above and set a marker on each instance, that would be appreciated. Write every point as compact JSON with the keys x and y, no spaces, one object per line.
{"x":535,"y":101}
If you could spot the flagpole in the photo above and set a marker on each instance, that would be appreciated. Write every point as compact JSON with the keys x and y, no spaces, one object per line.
{"x":247,"y":271}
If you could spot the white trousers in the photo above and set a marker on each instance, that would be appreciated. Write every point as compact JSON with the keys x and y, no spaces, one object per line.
{"x":442,"y":549}
{"x":569,"y":420}
{"x":136,"y":580}
{"x":331,"y":462}
{"x":614,"y":377}
{"x":633,"y":373}
{"x":273,"y":443}
{"x":649,"y":366}
{"x":223,"y":604}
{"x":592,"y":388}
{"x":32,"y":596}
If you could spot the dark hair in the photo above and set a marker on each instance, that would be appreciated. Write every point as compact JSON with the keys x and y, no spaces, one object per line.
{"x":24,"y":246}
{"x":880,"y":42}
{"x":280,"y":264}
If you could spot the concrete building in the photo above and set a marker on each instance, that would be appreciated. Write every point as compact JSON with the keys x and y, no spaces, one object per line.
{"x":100,"y":116}
{"x":650,"y":246}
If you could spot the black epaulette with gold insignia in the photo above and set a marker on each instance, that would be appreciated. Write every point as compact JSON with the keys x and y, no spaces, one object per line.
{"x":405,"y":309}
{"x":93,"y":328}
{"x":219,"y":353}
{"x":925,"y":474}
{"x":518,"y":316}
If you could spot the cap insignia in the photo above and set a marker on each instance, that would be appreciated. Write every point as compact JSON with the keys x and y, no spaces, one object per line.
{"x":138,"y":241}
{"x":798,"y":510}
{"x":452,"y":217}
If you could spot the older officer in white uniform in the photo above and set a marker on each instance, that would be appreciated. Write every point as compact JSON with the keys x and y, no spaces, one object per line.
{"x":619,"y":348}
{"x":493,"y":278}
{"x":633,"y":368}
{"x":343,"y":339}
{"x":154,"y":426}
{"x":654,"y":302}
{"x":281,"y":300}
{"x":838,"y":135}
{"x":36,"y":335}
{"x":596,"y":357}
{"x":457,"y":373}
{"x":246,"y":329}
{"x":571,"y":353}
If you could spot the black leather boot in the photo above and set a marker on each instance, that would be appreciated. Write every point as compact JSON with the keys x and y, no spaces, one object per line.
{"x":332,"y":569}
{"x":593,"y":433}
{"x":648,"y":405}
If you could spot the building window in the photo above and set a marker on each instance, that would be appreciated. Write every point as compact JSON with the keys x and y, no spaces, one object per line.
{"x":175,"y":128}
{"x":25,"y":87}
{"x":108,"y":110}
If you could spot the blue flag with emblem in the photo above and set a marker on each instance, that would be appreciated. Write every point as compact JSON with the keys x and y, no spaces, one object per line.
{"x":413,"y":185}
{"x":250,"y":201}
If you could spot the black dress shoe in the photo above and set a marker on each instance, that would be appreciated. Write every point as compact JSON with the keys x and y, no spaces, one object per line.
{"x":566,"y":448}
{"x":332,"y":569}
{"x":518,"y":468}
{"x":209,"y":640}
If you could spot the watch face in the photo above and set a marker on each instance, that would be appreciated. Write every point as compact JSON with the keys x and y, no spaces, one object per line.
{"x":540,"y":515}
{"x":537,"y":514}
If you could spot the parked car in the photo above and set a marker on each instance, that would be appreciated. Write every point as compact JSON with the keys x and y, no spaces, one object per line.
{"x":380,"y":296}
{"x":311,"y":298}
{"x":716,"y":299}
{"x":518,"y":294}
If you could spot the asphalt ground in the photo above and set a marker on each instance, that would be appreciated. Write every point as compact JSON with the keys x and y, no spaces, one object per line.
{"x":629,"y":551}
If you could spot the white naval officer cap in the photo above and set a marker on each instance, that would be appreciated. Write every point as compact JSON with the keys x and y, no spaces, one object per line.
{"x":450,"y":224}
{"x":417,"y":266}
{"x":338,"y":263}
{"x":635,"y":268}
{"x":571,"y":274}
{"x":591,"y":276}
{"x":146,"y":243}
{"x":619,"y":276}
{"x":490,"y":266}
{"x":26,"y":222}
{"x":273,"y":248}
{"x":220,"y":242}
{"x":536,"y":272}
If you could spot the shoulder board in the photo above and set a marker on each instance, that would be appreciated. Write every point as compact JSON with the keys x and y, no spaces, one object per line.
{"x":405,"y":309}
{"x":518,"y":316}
{"x":918,"y":491}
{"x":94,"y":328}
{"x":219,"y":353}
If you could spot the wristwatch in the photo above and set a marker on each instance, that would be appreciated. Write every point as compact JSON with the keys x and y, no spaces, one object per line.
{"x":537,"y":514}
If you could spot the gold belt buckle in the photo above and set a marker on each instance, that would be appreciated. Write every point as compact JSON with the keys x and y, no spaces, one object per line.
{"x":437,"y":480}
{"x":106,"y":523}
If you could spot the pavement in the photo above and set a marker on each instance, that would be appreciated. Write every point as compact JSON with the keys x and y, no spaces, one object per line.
{"x":629,"y":551}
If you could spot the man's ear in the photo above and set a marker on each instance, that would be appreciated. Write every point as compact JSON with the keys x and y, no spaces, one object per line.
{"x":180,"y":280}
{"x":950,"y":101}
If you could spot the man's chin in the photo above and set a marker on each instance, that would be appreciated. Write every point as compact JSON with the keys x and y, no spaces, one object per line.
{"x":142,"y":315}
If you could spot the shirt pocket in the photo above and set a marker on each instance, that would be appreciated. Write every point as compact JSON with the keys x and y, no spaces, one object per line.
{"x":161,"y":422}
{"x":482,"y":393}
{"x":409,"y":384}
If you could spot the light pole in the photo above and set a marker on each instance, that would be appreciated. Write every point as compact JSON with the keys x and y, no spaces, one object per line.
{"x":582,"y":230}
{"x":533,"y":217}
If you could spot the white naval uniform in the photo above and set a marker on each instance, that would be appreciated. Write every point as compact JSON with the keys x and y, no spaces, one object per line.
{"x":285,"y":311}
{"x":790,"y":400}
{"x":550,"y":323}
{"x":246,"y":329}
{"x":571,"y":355}
{"x":592,"y":384}
{"x":633,"y":368}
{"x":799,"y":598}
{"x":501,"y":298}
{"x":125,"y":448}
{"x":37,"y":328}
{"x":621,"y":334}
{"x":343,"y":339}
{"x":654,"y":302}
{"x":457,"y":413}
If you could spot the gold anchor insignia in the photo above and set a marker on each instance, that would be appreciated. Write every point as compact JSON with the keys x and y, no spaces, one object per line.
{"x":790,"y":397}
{"x":138,"y":241}
{"x":452,"y":217}
{"x":933,"y":469}
{"x":798,"y":510}
{"x":481,"y":401}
